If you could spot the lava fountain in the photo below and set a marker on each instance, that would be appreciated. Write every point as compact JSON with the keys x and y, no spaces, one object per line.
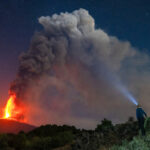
{"x":13,"y":110}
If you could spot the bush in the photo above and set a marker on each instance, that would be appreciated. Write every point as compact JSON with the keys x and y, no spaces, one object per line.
{"x":3,"y":141}
{"x":138,"y":143}
{"x":62,"y":139}
{"x":17,"y":141}
{"x":105,"y":126}
{"x":38,"y":143}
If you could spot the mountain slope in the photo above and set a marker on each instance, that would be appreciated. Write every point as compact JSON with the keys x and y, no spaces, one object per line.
{"x":11,"y":126}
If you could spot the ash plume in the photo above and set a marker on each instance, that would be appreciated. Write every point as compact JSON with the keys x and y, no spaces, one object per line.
{"x":72,"y":66}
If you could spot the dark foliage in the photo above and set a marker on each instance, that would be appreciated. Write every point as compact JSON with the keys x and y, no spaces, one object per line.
{"x":52,"y":136}
{"x":105,"y":135}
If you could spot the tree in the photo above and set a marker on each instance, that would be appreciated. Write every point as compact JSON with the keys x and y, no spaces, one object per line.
{"x":105,"y":126}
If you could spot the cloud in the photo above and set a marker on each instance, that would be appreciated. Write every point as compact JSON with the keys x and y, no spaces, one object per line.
{"x":70,"y":64}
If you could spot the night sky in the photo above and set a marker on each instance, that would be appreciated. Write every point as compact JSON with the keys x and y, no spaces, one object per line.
{"x":127,"y":20}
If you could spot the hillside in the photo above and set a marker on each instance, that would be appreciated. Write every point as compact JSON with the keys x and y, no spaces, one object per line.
{"x":53,"y":137}
{"x":11,"y":126}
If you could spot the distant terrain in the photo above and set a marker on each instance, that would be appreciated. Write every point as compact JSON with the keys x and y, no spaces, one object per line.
{"x":11,"y":126}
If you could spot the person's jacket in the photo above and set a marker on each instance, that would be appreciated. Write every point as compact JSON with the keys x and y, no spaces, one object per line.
{"x":140,"y":113}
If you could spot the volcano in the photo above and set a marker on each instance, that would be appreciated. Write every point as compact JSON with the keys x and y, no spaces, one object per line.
{"x":11,"y":126}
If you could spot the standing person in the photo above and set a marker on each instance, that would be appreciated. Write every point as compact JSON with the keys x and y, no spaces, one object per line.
{"x":140,"y":114}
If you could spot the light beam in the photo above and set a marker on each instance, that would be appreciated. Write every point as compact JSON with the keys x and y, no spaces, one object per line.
{"x":127,"y":94}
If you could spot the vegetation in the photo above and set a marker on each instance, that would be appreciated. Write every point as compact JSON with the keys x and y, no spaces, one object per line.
{"x":52,"y":137}
{"x":138,"y":143}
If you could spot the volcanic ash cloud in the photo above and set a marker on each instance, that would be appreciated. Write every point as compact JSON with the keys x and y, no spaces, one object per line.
{"x":71,"y":69}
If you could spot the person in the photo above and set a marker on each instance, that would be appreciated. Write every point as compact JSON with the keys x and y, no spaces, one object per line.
{"x":140,"y":114}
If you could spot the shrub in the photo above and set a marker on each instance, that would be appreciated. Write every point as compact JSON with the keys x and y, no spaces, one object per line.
{"x":3,"y":141}
{"x":138,"y":143}
{"x":37,"y":143}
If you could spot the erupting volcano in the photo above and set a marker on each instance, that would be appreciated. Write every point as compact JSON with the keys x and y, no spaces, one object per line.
{"x":13,"y":110}
{"x":77,"y":71}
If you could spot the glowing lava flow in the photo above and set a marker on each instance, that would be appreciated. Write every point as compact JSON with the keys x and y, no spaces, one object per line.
{"x":10,"y":106}
{"x":12,"y":111}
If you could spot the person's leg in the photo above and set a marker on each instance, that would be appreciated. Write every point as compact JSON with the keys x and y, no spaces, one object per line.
{"x":141,"y":125}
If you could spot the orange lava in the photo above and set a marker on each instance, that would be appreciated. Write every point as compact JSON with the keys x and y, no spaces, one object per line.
{"x":12,"y":111}
{"x":10,"y":106}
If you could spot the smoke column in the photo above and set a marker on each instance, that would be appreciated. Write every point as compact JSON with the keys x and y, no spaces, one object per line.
{"x":69,"y":65}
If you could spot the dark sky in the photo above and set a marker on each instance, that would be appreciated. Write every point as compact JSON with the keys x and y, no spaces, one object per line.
{"x":127,"y":20}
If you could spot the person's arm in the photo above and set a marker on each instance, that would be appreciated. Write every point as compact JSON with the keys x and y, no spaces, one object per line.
{"x":144,"y":113}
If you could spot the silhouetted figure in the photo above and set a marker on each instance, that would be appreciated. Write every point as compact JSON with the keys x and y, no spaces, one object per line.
{"x":140,"y":114}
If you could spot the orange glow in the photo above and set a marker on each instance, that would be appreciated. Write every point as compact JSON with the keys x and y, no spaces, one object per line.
{"x":10,"y":106}
{"x":12,"y":110}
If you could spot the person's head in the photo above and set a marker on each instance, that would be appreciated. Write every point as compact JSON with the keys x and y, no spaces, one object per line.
{"x":138,"y":106}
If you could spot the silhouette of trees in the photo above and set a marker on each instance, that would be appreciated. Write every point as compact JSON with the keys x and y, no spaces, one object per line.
{"x":52,"y":136}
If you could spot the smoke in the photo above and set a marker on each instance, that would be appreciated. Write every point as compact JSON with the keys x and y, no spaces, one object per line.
{"x":71,"y":71}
